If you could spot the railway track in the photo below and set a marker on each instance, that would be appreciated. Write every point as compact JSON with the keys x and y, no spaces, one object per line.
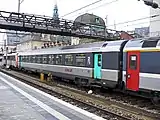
{"x":106,"y":109}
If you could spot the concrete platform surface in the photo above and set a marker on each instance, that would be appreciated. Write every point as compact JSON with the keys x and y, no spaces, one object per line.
{"x":19,"y":101}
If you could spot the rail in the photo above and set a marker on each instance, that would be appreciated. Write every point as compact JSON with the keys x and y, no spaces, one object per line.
{"x":79,"y":99}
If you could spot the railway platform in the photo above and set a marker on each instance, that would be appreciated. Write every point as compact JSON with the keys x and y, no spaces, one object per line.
{"x":19,"y":101}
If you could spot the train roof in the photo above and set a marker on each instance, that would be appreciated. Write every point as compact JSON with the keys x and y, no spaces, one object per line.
{"x":10,"y":54}
{"x":108,"y":46}
{"x":82,"y":48}
{"x":111,"y":46}
{"x":143,"y":43}
{"x":87,"y":45}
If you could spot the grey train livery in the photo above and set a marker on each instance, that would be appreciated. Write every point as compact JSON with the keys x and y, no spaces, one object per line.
{"x":132,"y":65}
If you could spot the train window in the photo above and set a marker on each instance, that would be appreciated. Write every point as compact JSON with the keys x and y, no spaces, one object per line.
{"x":99,"y":57}
{"x":150,"y":43}
{"x":80,"y":59}
{"x":39,"y":58}
{"x":105,"y":44}
{"x":33,"y":59}
{"x":23,"y":58}
{"x":99,"y":60}
{"x":133,"y":62}
{"x":44,"y":59}
{"x":7,"y":57}
{"x":68,"y":59}
{"x":59,"y":59}
{"x":30,"y":59}
{"x":51,"y":59}
{"x":12,"y":58}
{"x":27,"y":59}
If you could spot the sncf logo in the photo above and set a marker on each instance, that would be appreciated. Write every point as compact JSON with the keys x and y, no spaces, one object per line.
{"x":68,"y":70}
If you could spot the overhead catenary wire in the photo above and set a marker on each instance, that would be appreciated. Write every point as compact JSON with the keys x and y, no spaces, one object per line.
{"x":82,"y":8}
{"x":142,"y":23}
{"x":117,"y":23}
{"x":107,"y":3}
{"x":152,"y":16}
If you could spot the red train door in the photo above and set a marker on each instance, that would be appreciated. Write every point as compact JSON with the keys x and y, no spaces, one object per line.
{"x":133,"y":67}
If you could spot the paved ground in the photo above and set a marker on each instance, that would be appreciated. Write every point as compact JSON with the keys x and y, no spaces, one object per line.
{"x":19,"y":101}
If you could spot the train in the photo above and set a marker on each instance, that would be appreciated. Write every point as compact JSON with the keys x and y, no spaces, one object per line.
{"x":1,"y":58}
{"x":125,"y":65}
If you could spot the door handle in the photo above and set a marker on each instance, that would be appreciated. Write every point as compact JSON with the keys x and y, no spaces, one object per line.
{"x":127,"y":75}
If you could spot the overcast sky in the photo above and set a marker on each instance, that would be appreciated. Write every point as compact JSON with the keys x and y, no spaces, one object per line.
{"x":119,"y":11}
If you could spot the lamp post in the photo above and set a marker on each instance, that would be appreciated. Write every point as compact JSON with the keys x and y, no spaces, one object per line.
{"x":6,"y":49}
{"x":19,"y":4}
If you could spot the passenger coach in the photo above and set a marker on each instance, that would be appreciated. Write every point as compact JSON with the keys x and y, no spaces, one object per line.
{"x":12,"y":60}
{"x":95,"y":65}
{"x":76,"y":63}
{"x":141,"y":70}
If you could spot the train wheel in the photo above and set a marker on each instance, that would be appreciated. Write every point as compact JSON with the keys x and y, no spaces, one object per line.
{"x":78,"y":82}
{"x":156,"y":99}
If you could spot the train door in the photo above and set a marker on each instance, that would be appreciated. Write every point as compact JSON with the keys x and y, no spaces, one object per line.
{"x":97,"y":66}
{"x":133,"y":68}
